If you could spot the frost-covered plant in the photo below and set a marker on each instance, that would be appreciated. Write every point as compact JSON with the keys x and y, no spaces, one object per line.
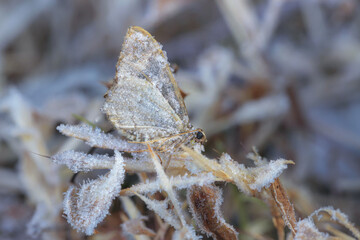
{"x":146,"y":106}
{"x":87,"y":205}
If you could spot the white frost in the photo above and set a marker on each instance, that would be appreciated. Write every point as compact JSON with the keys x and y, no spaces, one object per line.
{"x":266,"y":174}
{"x":179,"y":182}
{"x":95,"y":137}
{"x":78,"y":161}
{"x":162,"y":209}
{"x":306,"y":229}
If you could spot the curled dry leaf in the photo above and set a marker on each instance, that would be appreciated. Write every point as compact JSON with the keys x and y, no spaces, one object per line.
{"x":204,"y":202}
{"x":338,"y":216}
{"x":248,"y":180}
{"x":306,"y":230}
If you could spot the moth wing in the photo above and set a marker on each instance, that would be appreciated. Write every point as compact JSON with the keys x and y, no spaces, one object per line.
{"x":140,"y":111}
{"x":144,"y":100}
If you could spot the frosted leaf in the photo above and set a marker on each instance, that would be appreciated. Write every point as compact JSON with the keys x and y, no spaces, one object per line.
{"x":162,"y":209}
{"x":97,"y":138}
{"x":147,"y":187}
{"x":182,"y":182}
{"x":78,"y":161}
{"x":179,"y":182}
{"x":306,"y":229}
{"x":88,"y":205}
{"x":256,"y":178}
{"x":144,"y":102}
{"x":266,"y":174}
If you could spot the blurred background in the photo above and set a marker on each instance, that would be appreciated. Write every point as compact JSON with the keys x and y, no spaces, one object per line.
{"x":280,"y":75}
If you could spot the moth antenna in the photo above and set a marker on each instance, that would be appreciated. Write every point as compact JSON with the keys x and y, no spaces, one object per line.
{"x":41,"y":155}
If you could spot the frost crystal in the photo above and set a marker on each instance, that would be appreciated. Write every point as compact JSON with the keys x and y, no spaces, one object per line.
{"x":161,"y":208}
{"x":179,"y":182}
{"x":88,"y":205}
{"x":266,"y":174}
{"x":306,"y":229}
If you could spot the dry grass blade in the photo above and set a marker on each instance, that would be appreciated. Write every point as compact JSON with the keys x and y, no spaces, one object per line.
{"x":284,"y":204}
{"x":277,"y":219}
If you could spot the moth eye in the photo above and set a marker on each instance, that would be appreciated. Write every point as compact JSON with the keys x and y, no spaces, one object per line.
{"x":199,"y":135}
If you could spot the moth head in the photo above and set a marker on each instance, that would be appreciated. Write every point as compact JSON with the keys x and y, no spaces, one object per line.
{"x":200,"y":136}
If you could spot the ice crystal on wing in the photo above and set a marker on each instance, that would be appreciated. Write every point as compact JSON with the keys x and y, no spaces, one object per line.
{"x":78,"y":161}
{"x":141,"y":112}
{"x":142,"y":51}
{"x":145,"y":102}
{"x":88,"y":205}
{"x":95,"y":137}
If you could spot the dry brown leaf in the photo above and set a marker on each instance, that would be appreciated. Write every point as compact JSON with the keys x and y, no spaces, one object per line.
{"x":205,"y":204}
{"x":277,"y":219}
{"x":283,"y":203}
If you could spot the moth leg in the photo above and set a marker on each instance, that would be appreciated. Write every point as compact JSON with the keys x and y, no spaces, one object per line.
{"x":164,"y":147}
{"x":176,"y":147}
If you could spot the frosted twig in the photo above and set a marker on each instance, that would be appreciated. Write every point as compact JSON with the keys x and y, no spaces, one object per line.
{"x":178,"y":182}
{"x":97,"y":138}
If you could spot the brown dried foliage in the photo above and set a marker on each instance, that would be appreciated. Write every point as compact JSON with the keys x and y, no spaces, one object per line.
{"x":204,"y":202}
{"x":284,"y":205}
